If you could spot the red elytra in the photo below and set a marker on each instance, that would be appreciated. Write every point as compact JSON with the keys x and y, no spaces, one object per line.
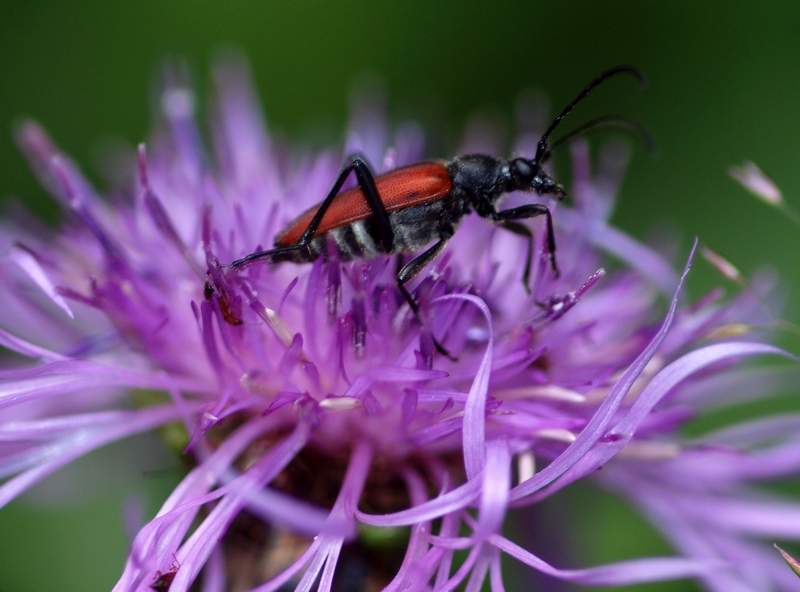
{"x":407,"y":186}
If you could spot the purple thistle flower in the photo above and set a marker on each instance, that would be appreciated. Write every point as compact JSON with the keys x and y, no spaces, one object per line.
{"x":325,"y":419}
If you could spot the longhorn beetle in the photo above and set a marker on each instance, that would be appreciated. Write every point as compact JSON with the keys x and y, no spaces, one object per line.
{"x":406,"y":209}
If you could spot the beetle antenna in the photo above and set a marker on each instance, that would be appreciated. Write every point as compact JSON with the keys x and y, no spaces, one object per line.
{"x":541,"y":149}
{"x":605,"y":121}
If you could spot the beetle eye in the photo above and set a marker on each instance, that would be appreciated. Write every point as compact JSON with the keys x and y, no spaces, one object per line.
{"x":523,"y":168}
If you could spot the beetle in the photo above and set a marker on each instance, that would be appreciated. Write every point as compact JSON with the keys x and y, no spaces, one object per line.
{"x":163,"y":581}
{"x":404,"y":210}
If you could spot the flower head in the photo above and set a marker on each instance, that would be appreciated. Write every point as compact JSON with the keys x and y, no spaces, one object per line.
{"x":324,"y":428}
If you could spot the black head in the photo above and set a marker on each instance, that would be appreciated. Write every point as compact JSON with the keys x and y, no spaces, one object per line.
{"x":526,"y":175}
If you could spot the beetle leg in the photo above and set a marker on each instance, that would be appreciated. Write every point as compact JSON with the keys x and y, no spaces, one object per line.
{"x":409,"y":272}
{"x":366,"y":182}
{"x":507,"y":218}
{"x":524,"y":231}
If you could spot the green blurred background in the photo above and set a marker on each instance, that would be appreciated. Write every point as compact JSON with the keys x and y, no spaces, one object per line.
{"x":724,"y":87}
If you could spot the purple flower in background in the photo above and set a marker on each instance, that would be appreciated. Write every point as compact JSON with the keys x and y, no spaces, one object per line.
{"x":331,"y":446}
